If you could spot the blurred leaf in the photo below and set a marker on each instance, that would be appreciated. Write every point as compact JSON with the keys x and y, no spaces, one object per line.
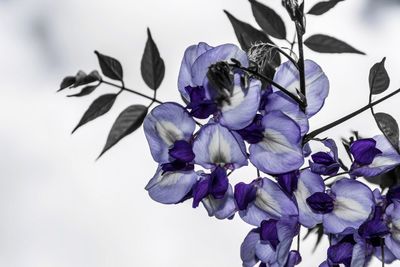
{"x":389,"y":127}
{"x":246,"y":34}
{"x":326,"y":44}
{"x":379,"y":80}
{"x":66,"y":82}
{"x":82,"y":78}
{"x":99,"y":107}
{"x":323,"y":7}
{"x":110,"y":67}
{"x":268,"y":20}
{"x":85,"y":91}
{"x":127,"y":122}
{"x":152,"y":65}
{"x":319,"y":230}
{"x":386,"y":180}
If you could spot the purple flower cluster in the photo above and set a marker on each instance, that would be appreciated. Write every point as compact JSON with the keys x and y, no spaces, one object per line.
{"x":232,"y":119}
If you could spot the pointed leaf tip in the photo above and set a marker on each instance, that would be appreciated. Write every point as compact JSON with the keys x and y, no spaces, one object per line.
{"x":326,"y":44}
{"x":127,"y":122}
{"x":152,"y":65}
{"x":269,"y":20}
{"x":323,"y":7}
{"x":110,"y":67}
{"x":379,"y":79}
{"x":99,"y":107}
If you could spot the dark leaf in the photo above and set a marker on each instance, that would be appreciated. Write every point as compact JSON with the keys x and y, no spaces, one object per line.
{"x":99,"y":107}
{"x":389,"y":127}
{"x":85,"y":91}
{"x":127,"y":122}
{"x":268,"y":20}
{"x":379,"y":80}
{"x":246,"y":34}
{"x":323,"y":7}
{"x":82,"y":78}
{"x":110,"y":67}
{"x":319,"y":230}
{"x":386,"y":180}
{"x":326,"y":44}
{"x":66,"y":82}
{"x":152,"y":65}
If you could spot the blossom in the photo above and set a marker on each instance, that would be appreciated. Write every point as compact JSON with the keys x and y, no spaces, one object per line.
{"x":392,"y":241}
{"x":326,"y":163}
{"x":270,"y":244}
{"x":347,"y":205}
{"x":373,"y":156}
{"x":261,"y":200}
{"x":212,"y":87}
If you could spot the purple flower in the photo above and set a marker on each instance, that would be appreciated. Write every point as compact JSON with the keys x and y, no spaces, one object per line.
{"x":232,"y":105}
{"x":270,"y":244}
{"x":347,"y":205}
{"x":216,"y":145}
{"x":288,"y":181}
{"x":392,"y":241}
{"x":373,"y":156}
{"x":261,"y":200}
{"x":171,"y":187}
{"x":280,"y":150}
{"x":326,"y":163}
{"x":164,"y":127}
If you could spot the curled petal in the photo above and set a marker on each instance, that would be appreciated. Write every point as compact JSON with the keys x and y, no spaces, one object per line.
{"x":280,"y":150}
{"x":216,"y":146}
{"x":354,"y":203}
{"x":171,"y":187}
{"x":164,"y":125}
{"x":317,"y":84}
{"x":248,"y":249}
{"x":185,"y":72}
{"x":221,"y":208}
{"x":384,"y":162}
{"x":243,"y":105}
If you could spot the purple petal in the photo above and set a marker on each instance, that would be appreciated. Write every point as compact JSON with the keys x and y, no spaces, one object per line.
{"x":271,"y":199}
{"x":293,"y":259}
{"x":340,"y":253}
{"x":248,"y":249}
{"x":220,"y":53}
{"x":244,"y":194}
{"x":182,"y":150}
{"x":217,"y":146}
{"x":287,"y":229}
{"x":164,"y":125}
{"x":219,"y":183}
{"x":254,"y":132}
{"x":321,"y":202}
{"x":269,"y":232}
{"x":393,"y":240}
{"x":185,"y":72}
{"x":280,"y":151}
{"x":308,"y":184}
{"x":364,"y":151}
{"x":243,"y":105}
{"x":221,"y":208}
{"x":317,"y":84}
{"x":354,"y":203}
{"x":171,"y":187}
{"x":201,"y":190}
{"x":288,"y":181}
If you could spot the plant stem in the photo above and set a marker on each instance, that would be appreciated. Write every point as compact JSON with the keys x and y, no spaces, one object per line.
{"x":133,"y":91}
{"x":347,"y":117}
{"x":265,"y":78}
{"x":301,"y":63}
{"x":383,"y":252}
{"x":298,"y":241}
{"x":336,"y":175}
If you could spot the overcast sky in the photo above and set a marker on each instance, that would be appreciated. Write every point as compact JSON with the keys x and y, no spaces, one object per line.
{"x":60,"y":208}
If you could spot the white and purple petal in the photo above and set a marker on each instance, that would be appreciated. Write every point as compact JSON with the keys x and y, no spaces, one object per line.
{"x":216,"y":145}
{"x":354,"y":202}
{"x":317,"y":83}
{"x":308,"y":184}
{"x":280,"y":150}
{"x":165,"y":124}
{"x":243,"y":105}
{"x":248,"y":249}
{"x":185,"y":72}
{"x":171,"y":187}
{"x":220,"y":208}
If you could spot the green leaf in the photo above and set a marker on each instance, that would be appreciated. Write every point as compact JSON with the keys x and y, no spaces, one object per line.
{"x":127,"y":122}
{"x":389,"y":127}
{"x":152,"y":65}
{"x":323,"y":7}
{"x":85,"y":91}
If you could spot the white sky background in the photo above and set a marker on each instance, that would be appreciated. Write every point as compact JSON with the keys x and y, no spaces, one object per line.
{"x":60,"y":208}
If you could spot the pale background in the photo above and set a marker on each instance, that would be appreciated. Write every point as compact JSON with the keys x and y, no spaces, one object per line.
{"x":60,"y":208}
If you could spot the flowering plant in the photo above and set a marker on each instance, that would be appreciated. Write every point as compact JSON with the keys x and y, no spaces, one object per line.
{"x":244,"y":107}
